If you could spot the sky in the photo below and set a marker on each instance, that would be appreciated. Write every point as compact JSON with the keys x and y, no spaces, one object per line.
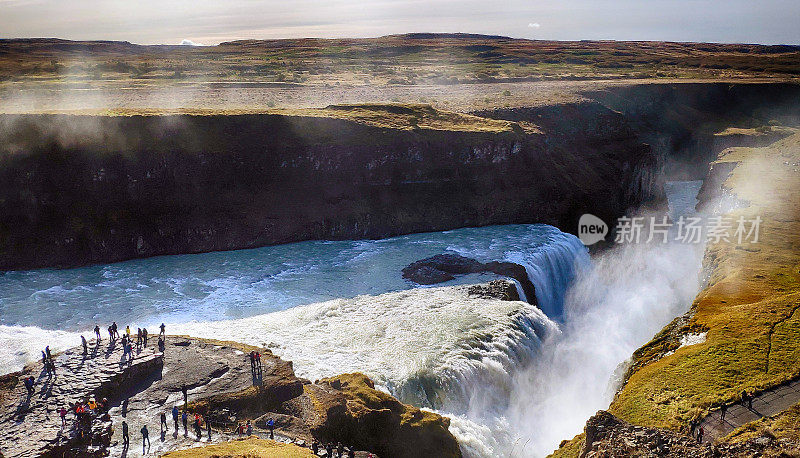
{"x":214,"y":21}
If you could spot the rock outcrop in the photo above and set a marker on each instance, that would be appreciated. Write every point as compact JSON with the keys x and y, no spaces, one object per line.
{"x":607,"y":436}
{"x":220,"y":385}
{"x":445,"y":267}
{"x":351,"y":409}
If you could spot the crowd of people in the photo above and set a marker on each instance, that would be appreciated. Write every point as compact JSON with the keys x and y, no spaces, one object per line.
{"x":87,"y":411}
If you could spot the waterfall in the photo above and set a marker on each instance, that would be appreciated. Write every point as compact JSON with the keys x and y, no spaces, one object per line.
{"x":551,"y":268}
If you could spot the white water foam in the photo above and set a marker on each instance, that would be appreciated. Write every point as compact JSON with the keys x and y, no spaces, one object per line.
{"x":433,"y":347}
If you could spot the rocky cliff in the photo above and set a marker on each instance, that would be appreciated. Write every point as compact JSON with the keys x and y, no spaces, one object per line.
{"x":79,"y":189}
{"x":86,"y":189}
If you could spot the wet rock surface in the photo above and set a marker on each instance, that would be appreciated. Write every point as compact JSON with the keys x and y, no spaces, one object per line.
{"x":220,"y":385}
{"x":445,"y":267}
{"x":30,"y":425}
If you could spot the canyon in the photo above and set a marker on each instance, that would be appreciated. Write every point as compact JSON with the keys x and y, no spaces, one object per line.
{"x":83,"y":189}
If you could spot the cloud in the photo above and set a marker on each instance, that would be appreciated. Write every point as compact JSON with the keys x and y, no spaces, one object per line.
{"x":187,"y":42}
{"x":534,"y":25}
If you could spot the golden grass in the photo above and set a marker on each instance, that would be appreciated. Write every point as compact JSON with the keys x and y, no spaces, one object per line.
{"x":570,"y":448}
{"x":252,"y":447}
{"x":388,"y":116}
{"x":749,"y":307}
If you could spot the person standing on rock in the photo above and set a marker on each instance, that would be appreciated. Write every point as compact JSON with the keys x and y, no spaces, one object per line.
{"x":185,"y":392}
{"x":198,"y":431}
{"x":29,"y":385}
{"x":164,"y":427}
{"x":271,"y":426}
{"x":145,"y":437}
{"x":144,"y":336}
{"x":253,"y":363}
{"x":97,"y":332}
{"x":163,"y":331}
{"x":208,"y":427}
{"x":128,"y":332}
{"x":126,"y":440}
{"x":83,"y":342}
{"x":700,"y":435}
{"x":185,"y":420}
{"x":722,"y":411}
{"x":138,"y":338}
{"x":161,"y":344}
{"x":249,"y":428}
{"x":63,"y":414}
{"x":175,"y":414}
{"x":329,"y":449}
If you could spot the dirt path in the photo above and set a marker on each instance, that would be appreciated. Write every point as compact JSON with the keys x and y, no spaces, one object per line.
{"x":765,"y":404}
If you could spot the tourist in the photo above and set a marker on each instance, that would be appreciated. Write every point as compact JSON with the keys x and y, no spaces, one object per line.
{"x":692,"y":426}
{"x":144,"y":336}
{"x":128,"y":332}
{"x":700,"y":435}
{"x":163,"y":424}
{"x":258,"y":361}
{"x":97,"y":332}
{"x":253,"y":362}
{"x":340,"y":449}
{"x":83,"y":342}
{"x":29,"y":385}
{"x":175,"y":414}
{"x":161,"y":344}
{"x":185,"y":392}
{"x":145,"y":437}
{"x":185,"y":420}
{"x":125,"y":438}
{"x":271,"y":426}
{"x":47,"y":350}
{"x":110,"y":333}
{"x":114,"y":329}
{"x":744,"y":398}
{"x":52,"y":367}
{"x":315,"y":447}
{"x":329,"y":449}
{"x":351,"y":453}
{"x":750,"y":397}
{"x":249,"y":428}
{"x":208,"y":428}
{"x":197,"y":429}
{"x":240,"y":429}
{"x":162,"y":333}
{"x":63,"y":414}
{"x":138,"y":338}
{"x":722,"y":411}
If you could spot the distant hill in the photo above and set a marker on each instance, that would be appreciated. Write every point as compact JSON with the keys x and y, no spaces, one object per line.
{"x":407,"y":59}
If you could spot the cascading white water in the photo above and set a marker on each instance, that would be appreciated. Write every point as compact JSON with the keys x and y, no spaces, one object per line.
{"x":613,"y":306}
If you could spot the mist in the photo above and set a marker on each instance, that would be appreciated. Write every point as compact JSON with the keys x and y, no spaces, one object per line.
{"x":614,"y":306}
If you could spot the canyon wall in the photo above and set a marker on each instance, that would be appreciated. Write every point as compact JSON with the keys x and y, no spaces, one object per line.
{"x":78,"y":189}
{"x":88,"y":189}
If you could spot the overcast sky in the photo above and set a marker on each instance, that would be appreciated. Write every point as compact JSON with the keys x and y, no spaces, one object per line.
{"x":213,"y":21}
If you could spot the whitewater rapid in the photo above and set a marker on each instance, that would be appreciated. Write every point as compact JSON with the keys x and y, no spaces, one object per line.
{"x":49,"y":306}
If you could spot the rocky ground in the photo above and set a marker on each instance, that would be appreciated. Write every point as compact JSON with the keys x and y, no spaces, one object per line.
{"x":608,"y":436}
{"x":222,"y":388}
